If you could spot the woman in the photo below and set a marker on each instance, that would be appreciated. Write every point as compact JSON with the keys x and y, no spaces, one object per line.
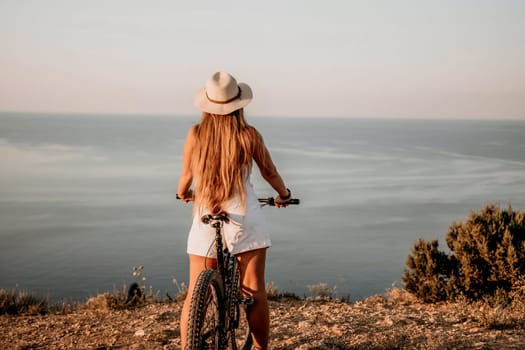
{"x":217,"y":163}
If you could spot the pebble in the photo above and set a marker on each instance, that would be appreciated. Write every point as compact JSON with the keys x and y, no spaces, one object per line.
{"x":304,"y":324}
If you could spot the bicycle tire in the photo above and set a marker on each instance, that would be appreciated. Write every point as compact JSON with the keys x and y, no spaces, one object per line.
{"x":239,"y":337}
{"x":205,"y":319}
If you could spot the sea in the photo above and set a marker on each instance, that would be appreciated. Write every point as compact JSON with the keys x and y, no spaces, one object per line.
{"x":85,"y":199}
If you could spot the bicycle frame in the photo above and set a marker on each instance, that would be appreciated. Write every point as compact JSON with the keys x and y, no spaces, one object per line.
{"x":226,"y":265}
{"x":217,"y":222}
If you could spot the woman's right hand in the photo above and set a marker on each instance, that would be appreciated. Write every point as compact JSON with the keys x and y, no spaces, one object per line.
{"x":186,"y":197}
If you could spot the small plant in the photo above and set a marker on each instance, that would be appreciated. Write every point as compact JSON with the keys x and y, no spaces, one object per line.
{"x":273,"y":293}
{"x":139,"y":278}
{"x":322,"y":291}
{"x":271,"y":290}
{"x":182,"y":290}
{"x":128,"y":297}
{"x":137,"y":290}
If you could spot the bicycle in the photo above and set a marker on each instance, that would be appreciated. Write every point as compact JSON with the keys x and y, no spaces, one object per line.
{"x":217,"y":316}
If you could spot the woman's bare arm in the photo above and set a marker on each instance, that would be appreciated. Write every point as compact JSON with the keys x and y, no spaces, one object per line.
{"x":269,"y":172}
{"x":184,"y":192}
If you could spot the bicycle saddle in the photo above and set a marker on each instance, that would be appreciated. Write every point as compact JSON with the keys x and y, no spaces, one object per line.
{"x":223,"y":217}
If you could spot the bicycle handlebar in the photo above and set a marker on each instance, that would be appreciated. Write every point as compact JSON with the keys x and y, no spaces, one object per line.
{"x":271,"y":202}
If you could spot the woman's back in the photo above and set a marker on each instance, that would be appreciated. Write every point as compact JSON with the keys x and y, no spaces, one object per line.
{"x":221,"y":158}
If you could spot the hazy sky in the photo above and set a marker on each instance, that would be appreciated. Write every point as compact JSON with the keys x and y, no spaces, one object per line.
{"x":446,"y":59}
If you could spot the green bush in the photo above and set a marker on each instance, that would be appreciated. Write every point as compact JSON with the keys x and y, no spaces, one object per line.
{"x":487,"y":258}
{"x":430,"y":271}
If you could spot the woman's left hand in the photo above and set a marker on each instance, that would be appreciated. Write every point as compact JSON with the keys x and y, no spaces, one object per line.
{"x":283,"y":203}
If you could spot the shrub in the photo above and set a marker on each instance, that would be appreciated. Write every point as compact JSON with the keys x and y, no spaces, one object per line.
{"x":487,"y":258}
{"x":430,"y":271}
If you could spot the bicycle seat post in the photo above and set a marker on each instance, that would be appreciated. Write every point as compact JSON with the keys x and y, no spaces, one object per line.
{"x":218,"y":239}
{"x":217,"y":222}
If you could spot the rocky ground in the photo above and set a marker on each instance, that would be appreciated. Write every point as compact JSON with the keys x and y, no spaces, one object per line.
{"x":394,"y":321}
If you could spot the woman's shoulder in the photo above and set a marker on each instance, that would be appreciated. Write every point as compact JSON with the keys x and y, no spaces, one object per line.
{"x":256,"y":141}
{"x":191,"y":136}
{"x":253,"y":132}
{"x":193,"y":130}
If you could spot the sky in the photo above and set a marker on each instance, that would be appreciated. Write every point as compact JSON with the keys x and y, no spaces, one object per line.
{"x":367,"y":59}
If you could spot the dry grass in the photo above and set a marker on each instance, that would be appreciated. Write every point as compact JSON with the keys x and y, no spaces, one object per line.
{"x":17,"y":302}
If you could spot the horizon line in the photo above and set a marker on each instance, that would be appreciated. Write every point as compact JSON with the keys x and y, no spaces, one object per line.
{"x":197,"y":114}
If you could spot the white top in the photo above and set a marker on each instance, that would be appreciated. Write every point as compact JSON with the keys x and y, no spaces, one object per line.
{"x":246,"y":230}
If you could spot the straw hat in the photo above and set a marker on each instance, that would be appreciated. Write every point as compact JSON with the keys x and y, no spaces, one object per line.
{"x":223,"y":95}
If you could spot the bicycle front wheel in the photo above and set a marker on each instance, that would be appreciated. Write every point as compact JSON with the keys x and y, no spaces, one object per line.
{"x":205,"y":319}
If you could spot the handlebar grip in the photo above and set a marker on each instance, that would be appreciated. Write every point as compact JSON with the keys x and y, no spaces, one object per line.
{"x":271,"y":202}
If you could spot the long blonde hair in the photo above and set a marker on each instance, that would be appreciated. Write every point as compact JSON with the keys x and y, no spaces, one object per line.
{"x":222,"y":155}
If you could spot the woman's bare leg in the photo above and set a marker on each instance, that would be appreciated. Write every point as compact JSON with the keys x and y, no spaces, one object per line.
{"x":252,"y":265}
{"x":197,"y":265}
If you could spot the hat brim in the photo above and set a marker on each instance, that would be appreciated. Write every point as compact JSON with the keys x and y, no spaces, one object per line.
{"x":205,"y":105}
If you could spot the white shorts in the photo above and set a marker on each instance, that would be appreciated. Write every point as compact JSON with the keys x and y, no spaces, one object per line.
{"x":246,"y":230}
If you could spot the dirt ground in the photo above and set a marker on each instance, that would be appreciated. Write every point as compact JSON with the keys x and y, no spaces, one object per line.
{"x":396,"y":321}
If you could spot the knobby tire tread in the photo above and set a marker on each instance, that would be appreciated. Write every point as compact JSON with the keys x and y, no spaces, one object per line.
{"x":233,"y":307}
{"x":209,"y":281}
{"x":238,"y":337}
